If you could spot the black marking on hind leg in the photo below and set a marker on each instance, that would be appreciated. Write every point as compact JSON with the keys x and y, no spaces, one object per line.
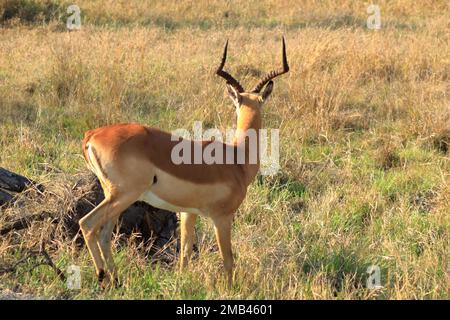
{"x":101,"y":275}
{"x":155,"y":179}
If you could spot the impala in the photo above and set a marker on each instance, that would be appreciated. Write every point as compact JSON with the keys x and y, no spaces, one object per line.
{"x":133,"y":162}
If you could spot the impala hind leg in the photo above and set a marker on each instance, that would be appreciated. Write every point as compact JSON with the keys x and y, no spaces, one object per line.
{"x":187,"y":225}
{"x":222,"y":226}
{"x":95,"y":222}
{"x":89,"y":229}
{"x":104,"y":244}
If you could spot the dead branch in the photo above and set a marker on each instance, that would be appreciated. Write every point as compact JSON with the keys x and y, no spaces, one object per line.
{"x":25,"y":222}
{"x":15,"y":182}
{"x":49,"y":262}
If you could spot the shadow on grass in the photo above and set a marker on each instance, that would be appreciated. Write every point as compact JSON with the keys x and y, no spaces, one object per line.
{"x":343,"y":269}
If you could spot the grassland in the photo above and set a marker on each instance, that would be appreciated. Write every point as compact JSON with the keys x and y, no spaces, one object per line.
{"x":364,"y":119}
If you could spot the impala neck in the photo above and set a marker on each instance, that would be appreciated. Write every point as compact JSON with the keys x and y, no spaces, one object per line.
{"x":249,"y":117}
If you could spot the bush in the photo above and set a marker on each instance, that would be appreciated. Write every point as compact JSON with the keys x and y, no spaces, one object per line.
{"x":29,"y":11}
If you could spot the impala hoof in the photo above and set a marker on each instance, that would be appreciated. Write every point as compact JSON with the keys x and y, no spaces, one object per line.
{"x":101,"y":276}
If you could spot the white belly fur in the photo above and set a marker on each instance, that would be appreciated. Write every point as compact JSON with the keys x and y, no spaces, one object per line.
{"x":157,"y":202}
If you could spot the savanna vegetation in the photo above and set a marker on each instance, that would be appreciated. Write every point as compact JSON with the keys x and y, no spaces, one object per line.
{"x":364,"y":120}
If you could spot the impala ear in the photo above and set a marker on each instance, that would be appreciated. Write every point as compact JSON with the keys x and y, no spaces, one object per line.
{"x":267,"y":90}
{"x":234,"y":95}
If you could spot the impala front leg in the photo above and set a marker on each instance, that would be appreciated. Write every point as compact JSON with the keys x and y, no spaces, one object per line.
{"x":187,"y":225}
{"x":222,"y":226}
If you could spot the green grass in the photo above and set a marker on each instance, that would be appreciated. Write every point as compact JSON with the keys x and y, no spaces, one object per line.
{"x":364,"y":133}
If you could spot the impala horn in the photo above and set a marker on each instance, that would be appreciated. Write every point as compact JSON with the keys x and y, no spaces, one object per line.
{"x":272,"y":74}
{"x":228,"y":77}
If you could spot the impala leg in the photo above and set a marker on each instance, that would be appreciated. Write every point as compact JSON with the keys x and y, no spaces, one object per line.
{"x":104,"y":244}
{"x":89,"y":227}
{"x":222,"y":226}
{"x":187,"y":225}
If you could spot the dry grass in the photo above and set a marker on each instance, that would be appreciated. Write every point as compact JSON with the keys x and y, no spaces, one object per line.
{"x":363,"y":115}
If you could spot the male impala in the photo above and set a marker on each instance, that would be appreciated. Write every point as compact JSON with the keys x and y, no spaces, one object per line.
{"x":133,"y":162}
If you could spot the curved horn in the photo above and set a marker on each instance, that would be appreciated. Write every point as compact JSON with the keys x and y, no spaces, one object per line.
{"x":228,"y":77}
{"x":274,"y":73}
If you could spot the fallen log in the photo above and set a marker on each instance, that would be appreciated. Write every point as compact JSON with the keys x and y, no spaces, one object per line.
{"x":156,"y":228}
{"x":15,"y":182}
{"x":5,"y":197}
